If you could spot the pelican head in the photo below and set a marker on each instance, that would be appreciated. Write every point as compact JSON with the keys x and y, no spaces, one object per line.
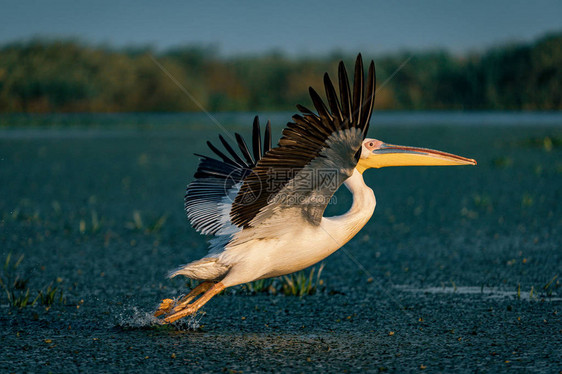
{"x":377,"y":154}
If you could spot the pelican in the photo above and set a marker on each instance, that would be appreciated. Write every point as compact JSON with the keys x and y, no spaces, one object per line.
{"x":264,"y":207}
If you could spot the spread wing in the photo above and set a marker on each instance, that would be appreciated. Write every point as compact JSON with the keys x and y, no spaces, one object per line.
{"x":316,"y":154}
{"x":209,"y":197}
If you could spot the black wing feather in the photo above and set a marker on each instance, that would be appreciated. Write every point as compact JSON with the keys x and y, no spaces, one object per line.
{"x":369,"y":101}
{"x":306,"y":111}
{"x":244,"y":149}
{"x":256,"y":139}
{"x":345,"y":93}
{"x":323,"y":112}
{"x":214,"y":179}
{"x":234,"y":155}
{"x":358,"y":90}
{"x":267,"y":138}
{"x":333,"y":99}
{"x":222,"y":155}
{"x":307,"y":139}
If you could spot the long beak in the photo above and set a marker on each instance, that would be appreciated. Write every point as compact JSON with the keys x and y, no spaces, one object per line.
{"x":397,"y":155}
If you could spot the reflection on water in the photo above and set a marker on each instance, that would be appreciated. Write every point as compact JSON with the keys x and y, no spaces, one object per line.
{"x":491,"y":293}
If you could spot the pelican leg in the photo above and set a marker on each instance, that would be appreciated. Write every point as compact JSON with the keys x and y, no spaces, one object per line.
{"x":168,"y":304}
{"x":164,"y":307}
{"x":202,"y":287}
{"x":196,"y":305}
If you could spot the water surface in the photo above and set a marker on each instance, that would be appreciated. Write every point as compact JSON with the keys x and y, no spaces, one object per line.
{"x":74,"y":186}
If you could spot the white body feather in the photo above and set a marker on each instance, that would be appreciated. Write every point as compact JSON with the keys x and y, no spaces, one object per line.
{"x":254,"y":253}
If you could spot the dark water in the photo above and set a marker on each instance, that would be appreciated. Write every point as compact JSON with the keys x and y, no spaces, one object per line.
{"x":459,"y":257}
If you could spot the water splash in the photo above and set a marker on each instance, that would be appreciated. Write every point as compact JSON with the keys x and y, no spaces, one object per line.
{"x":133,"y":318}
{"x":191,"y":322}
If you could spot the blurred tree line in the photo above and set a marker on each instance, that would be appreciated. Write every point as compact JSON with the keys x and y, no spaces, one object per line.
{"x":67,"y":76}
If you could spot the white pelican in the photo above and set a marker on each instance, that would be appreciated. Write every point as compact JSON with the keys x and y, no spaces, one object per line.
{"x":265,"y":208}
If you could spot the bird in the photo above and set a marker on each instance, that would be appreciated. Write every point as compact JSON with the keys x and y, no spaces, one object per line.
{"x":264,"y":206}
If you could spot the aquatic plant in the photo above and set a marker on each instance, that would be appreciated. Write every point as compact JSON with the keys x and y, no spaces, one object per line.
{"x":454,"y":285}
{"x":92,"y":226}
{"x":532,"y":293}
{"x":299,"y":284}
{"x":95,"y":221}
{"x":48,"y":297}
{"x":261,"y":286}
{"x":548,"y":289}
{"x":157,"y":224}
{"x":483,"y":201}
{"x":138,"y":224}
{"x":14,"y":285}
{"x":547,"y":142}
{"x":18,"y":293}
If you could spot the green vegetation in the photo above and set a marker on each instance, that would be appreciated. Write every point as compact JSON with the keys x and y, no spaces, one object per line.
{"x":138,"y":224}
{"x":50,"y":296}
{"x":301,"y":283}
{"x":66,"y":76}
{"x":14,"y":285}
{"x":261,"y":286}
{"x":18,"y":292}
{"x":549,"y":290}
{"x":550,"y":286}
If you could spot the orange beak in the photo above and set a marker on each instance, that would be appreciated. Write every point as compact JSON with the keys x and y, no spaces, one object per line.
{"x":397,"y":155}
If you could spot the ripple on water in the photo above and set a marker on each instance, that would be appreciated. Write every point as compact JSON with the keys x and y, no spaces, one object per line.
{"x":484,"y":292}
